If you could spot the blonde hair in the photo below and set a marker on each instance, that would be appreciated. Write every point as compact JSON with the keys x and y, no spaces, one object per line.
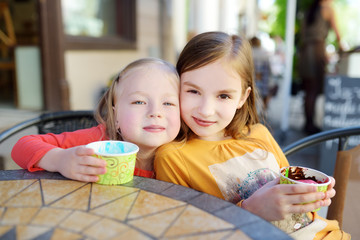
{"x":104,"y":113}
{"x":208,"y":47}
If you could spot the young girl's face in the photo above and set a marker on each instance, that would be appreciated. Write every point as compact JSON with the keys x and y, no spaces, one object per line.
{"x":147,"y":107}
{"x":209,"y":97}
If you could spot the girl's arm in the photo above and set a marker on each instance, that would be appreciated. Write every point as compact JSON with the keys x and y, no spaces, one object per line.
{"x":75,"y":163}
{"x":29,"y":150}
{"x":274,"y":201}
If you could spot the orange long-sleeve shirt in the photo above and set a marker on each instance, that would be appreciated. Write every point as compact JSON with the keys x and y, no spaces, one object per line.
{"x":30,"y":149}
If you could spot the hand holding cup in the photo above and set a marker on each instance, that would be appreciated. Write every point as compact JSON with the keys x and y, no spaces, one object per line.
{"x":302,"y":175}
{"x":120,"y":157}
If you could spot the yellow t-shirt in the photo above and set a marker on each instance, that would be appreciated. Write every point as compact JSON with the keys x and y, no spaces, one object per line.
{"x":219,"y":167}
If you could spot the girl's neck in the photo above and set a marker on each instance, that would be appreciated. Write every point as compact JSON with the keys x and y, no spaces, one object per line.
{"x":145,"y":160}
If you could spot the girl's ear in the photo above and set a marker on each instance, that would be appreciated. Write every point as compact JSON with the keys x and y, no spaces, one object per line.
{"x":244,"y":97}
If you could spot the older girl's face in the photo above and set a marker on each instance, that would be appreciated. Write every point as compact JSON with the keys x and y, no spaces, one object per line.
{"x":147,"y":107}
{"x":209,"y":98}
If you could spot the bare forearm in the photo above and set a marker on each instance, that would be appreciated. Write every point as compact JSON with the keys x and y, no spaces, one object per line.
{"x":51,"y":159}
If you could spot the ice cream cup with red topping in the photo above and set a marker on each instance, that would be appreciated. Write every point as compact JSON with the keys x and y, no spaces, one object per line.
{"x":304,"y":175}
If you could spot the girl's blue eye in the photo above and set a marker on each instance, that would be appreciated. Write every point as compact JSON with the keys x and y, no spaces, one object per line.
{"x":169,"y":104}
{"x":224,"y":96}
{"x":138,"y":102}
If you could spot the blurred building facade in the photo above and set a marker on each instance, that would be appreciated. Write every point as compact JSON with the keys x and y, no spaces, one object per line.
{"x":67,"y":51}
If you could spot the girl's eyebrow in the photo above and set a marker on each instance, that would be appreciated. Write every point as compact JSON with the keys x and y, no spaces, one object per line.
{"x":142,"y":93}
{"x":146,"y":94}
{"x":231,"y":90}
{"x":191,"y":84}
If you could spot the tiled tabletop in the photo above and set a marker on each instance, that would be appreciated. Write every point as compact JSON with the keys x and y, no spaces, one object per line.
{"x":46,"y":205}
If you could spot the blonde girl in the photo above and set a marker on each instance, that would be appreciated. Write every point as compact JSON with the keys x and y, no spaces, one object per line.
{"x":141,"y":106}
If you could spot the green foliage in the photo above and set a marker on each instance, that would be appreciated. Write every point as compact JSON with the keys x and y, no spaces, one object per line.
{"x":278,"y":27}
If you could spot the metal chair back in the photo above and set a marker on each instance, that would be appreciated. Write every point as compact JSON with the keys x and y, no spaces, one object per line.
{"x":54,"y":122}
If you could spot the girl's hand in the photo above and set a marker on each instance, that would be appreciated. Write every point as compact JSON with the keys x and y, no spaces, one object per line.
{"x":76,"y":163}
{"x":275,"y":201}
{"x":330,"y":193}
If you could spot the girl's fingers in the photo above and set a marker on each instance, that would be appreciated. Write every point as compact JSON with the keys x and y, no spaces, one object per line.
{"x":296,"y":188}
{"x":305,"y":198}
{"x":332,"y":184}
{"x":273,"y":182}
{"x":90,"y":170}
{"x":84,"y":151}
{"x":86,"y":173}
{"x":326,"y":202}
{"x":93,"y":161}
{"x":304,"y":208}
{"x":330,"y":194}
{"x":87,"y":178}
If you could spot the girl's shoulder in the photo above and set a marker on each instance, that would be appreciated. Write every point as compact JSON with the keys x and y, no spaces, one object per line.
{"x":171,"y":146}
{"x":261,"y":133}
{"x":179,"y":147}
{"x":96,"y":133}
{"x":258,"y":130}
{"x":169,"y":150}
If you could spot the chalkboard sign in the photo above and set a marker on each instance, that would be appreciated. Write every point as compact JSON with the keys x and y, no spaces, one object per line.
{"x":342,"y":102}
{"x":341,"y":109}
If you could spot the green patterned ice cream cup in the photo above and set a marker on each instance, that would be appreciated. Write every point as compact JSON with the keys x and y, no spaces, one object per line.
{"x":120,"y":157}
{"x":322,"y":180}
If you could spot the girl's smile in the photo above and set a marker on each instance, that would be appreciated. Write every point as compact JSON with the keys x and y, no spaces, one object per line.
{"x":154,"y":128}
{"x":203,"y":123}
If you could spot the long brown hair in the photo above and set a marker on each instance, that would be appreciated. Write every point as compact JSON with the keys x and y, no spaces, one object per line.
{"x":208,"y":47}
{"x":104,"y":113}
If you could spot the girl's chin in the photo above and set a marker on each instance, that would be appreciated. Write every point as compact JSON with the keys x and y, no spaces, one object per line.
{"x":152,"y":145}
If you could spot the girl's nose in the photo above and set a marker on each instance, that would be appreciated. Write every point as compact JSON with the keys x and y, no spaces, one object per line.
{"x":206,"y":108}
{"x":155,"y":115}
{"x":155,"y":112}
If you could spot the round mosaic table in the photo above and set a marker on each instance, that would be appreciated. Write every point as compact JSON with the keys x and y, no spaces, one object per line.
{"x":46,"y":205}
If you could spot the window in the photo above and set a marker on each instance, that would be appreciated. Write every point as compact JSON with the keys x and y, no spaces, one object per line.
{"x":99,"y":24}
